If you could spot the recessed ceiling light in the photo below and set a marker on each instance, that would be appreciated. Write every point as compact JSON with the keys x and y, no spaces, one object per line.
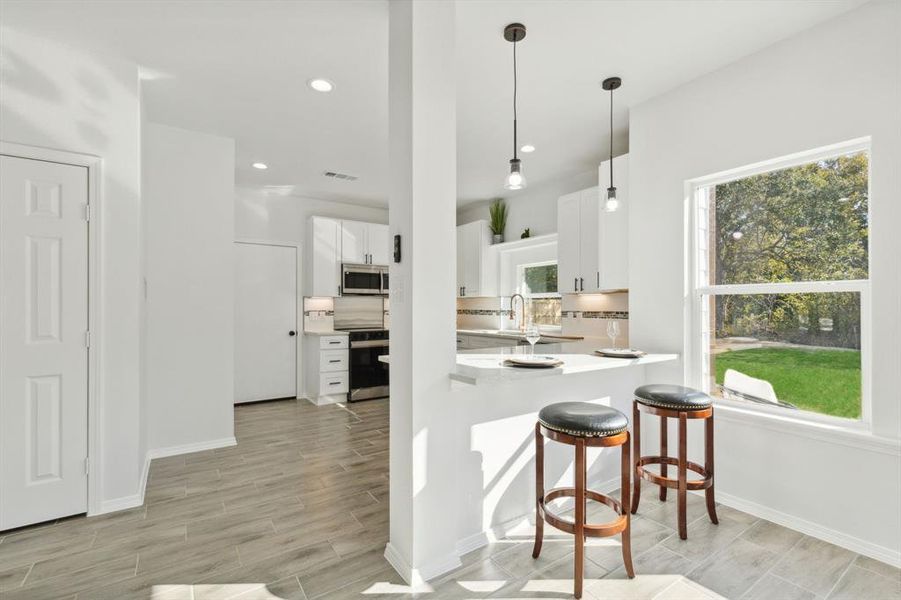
{"x":321,"y":85}
{"x":528,"y":148}
{"x":260,"y":166}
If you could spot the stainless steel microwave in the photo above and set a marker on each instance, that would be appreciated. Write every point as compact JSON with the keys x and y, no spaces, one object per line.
{"x":363,"y":280}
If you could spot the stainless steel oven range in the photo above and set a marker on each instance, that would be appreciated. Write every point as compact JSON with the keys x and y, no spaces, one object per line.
{"x":368,"y":375}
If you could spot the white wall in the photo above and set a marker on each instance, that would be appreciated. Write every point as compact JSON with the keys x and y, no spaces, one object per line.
{"x":534,"y":207}
{"x":62,"y":98}
{"x":835,"y":82}
{"x":276,"y":218}
{"x":188,"y":239}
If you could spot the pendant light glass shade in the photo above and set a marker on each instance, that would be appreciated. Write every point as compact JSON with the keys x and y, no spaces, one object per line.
{"x":515,"y":180}
{"x":612,"y":203}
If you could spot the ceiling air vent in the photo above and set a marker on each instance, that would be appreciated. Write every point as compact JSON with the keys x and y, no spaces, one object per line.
{"x":342,"y":176}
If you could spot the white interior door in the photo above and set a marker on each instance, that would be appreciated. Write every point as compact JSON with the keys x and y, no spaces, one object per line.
{"x":265,"y":322}
{"x":43,"y":350}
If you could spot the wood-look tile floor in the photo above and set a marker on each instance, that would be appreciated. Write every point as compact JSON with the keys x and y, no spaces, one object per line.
{"x":298,"y":510}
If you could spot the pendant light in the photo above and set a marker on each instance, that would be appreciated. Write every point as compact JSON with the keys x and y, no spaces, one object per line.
{"x":515,"y":32}
{"x":612,"y":203}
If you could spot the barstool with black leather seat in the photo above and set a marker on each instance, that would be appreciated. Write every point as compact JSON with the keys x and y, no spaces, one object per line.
{"x":682,"y":403}
{"x":582,"y":424}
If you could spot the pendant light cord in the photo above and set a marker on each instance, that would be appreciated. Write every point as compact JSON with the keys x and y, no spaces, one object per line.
{"x":611,"y":137}
{"x":514,"y":99}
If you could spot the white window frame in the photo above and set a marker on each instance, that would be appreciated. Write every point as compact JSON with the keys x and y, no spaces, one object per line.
{"x":520,"y":284}
{"x":697,"y":338}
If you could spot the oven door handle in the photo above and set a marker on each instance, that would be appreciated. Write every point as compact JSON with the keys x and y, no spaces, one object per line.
{"x":369,"y":344}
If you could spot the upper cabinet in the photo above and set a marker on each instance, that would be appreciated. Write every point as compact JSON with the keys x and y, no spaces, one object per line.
{"x":332,"y":242}
{"x":324,"y":275}
{"x":577,"y":243}
{"x":476,"y":264}
{"x":364,"y":243}
{"x":379,"y":244}
{"x":593,"y":245}
{"x":613,"y":247}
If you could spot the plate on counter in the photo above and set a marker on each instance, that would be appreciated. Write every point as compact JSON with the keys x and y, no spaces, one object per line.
{"x":533,"y":362}
{"x":620,"y":352}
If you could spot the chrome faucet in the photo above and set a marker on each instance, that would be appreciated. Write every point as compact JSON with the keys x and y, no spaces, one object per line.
{"x":522,"y":304}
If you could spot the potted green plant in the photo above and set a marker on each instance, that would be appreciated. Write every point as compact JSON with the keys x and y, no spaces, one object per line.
{"x":498,"y":212}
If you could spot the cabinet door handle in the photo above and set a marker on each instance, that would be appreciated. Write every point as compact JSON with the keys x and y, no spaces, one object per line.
{"x":337,"y":360}
{"x":599,"y":280}
{"x":581,"y":284}
{"x":576,"y":284}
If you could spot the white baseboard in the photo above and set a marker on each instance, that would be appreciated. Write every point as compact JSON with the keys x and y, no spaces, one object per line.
{"x":500,"y":531}
{"x":400,"y":565}
{"x":135,"y":500}
{"x":116,"y":504}
{"x":188,"y":448}
{"x":880,"y":553}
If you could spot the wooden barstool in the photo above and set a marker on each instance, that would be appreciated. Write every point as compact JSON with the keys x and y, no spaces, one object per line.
{"x":582,"y":424}
{"x":682,"y":403}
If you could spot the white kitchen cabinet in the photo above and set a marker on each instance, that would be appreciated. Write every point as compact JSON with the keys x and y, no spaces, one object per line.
{"x":354,"y":242}
{"x":476,"y":264}
{"x":324,"y":249}
{"x":326,"y":371}
{"x":569,"y":242}
{"x":613,"y":227}
{"x":364,"y":243}
{"x":379,"y":244}
{"x":577,"y":241}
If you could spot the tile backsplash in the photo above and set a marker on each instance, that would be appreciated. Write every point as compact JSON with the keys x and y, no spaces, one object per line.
{"x":588,"y":314}
{"x":582,"y":314}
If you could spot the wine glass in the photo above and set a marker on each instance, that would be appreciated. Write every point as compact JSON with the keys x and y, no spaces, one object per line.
{"x":532,"y":335}
{"x":612,"y":331}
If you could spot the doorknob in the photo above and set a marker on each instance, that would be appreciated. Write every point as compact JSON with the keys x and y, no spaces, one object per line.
{"x":292,"y":333}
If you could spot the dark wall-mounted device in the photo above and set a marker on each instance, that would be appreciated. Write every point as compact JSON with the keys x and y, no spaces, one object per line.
{"x":397,"y":248}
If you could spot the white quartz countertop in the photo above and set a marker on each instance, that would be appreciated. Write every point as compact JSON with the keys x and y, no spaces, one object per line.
{"x":511,"y":334}
{"x":322,"y":333}
{"x":478,"y":367}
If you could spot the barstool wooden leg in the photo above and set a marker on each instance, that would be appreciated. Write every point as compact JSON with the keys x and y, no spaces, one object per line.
{"x":580,"y":518}
{"x":636,"y":479}
{"x":624,"y":488}
{"x":663,"y":453}
{"x":539,"y":490}
{"x":708,"y":466}
{"x":683,"y":473}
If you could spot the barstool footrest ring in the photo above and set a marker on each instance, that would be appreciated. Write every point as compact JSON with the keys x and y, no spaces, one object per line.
{"x":590,"y":530}
{"x":695,"y":484}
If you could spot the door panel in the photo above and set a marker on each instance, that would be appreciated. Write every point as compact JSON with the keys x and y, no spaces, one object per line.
{"x":379,"y":244}
{"x":265,"y":314}
{"x":568,"y":242}
{"x":589,"y":275}
{"x":43,"y":355}
{"x":325,"y":263}
{"x":353,"y":242}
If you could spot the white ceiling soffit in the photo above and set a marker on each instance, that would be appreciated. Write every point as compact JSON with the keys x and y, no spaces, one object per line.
{"x":240,"y":69}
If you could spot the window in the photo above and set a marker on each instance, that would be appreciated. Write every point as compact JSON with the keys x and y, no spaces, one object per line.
{"x":538,"y":284}
{"x":781,"y":284}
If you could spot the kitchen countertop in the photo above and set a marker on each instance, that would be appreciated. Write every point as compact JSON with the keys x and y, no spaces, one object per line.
{"x":510,"y":334}
{"x":481,"y":366}
{"x":321,"y":333}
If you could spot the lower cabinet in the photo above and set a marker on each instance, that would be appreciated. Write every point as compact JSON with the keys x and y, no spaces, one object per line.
{"x":326,"y":360}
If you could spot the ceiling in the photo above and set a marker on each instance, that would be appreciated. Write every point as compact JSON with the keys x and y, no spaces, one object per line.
{"x":240,"y":68}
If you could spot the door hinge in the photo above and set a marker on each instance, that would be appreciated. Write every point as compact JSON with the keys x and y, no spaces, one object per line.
{"x":87,"y":465}
{"x":87,"y":339}
{"x":87,"y":212}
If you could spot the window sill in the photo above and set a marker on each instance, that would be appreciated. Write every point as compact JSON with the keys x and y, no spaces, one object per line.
{"x":854,"y":435}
